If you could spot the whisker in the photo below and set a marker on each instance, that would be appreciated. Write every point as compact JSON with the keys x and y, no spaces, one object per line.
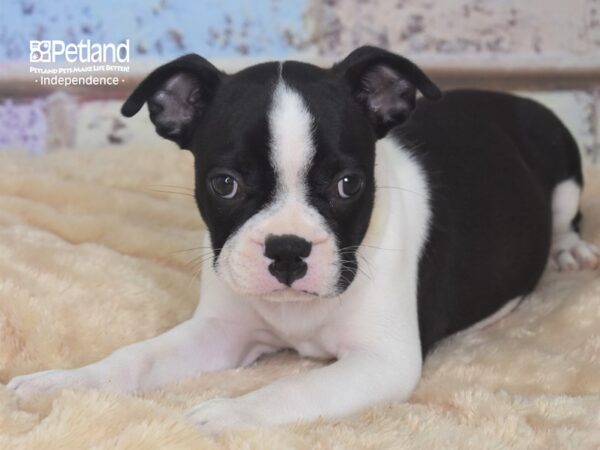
{"x":354,"y":250}
{"x":193,"y":278}
{"x":199,"y":260}
{"x":401,"y":189}
{"x":355,"y":247}
{"x":345,"y":279}
{"x":204,"y":247}
{"x":354,"y":269}
{"x":366,"y":262}
{"x":201,"y":257}
{"x":187,"y":194}
{"x":196,"y":270}
{"x":382,"y":248}
{"x":187,"y":188}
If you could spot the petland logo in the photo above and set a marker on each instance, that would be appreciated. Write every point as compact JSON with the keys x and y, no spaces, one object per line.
{"x":84,"y":52}
{"x":77,"y":63}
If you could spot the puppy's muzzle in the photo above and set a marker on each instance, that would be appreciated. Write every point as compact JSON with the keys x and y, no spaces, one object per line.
{"x":287,"y":252}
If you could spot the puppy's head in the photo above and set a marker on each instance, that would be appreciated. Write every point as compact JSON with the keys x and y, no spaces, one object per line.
{"x":284,"y":158}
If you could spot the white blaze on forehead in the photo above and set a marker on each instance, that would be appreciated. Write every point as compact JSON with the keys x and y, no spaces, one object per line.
{"x":292,"y":146}
{"x":242,"y":262}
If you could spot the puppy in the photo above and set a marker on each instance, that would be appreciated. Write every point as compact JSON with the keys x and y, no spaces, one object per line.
{"x":348,"y":221}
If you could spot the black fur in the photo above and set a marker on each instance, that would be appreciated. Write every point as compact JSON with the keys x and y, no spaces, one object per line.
{"x":234,"y":135}
{"x":492,"y":161}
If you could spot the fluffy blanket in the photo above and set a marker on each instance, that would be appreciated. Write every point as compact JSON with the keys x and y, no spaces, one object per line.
{"x":96,"y":252}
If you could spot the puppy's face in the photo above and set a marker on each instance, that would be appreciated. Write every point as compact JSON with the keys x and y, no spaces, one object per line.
{"x":284,"y":180}
{"x":284,"y":161}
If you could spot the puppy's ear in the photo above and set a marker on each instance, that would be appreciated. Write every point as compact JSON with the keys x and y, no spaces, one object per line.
{"x":385,"y":85}
{"x":177,"y":94}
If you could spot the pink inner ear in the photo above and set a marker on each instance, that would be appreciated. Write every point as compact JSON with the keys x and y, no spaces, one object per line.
{"x":386,"y":93}
{"x":177,"y":99}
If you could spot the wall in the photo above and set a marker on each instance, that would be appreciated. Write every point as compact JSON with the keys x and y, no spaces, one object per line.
{"x":548,"y":49}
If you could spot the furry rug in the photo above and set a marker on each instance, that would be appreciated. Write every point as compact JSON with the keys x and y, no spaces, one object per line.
{"x":94,"y":254}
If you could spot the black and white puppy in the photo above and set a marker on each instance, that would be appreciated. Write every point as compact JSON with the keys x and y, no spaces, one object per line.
{"x":348,"y":221}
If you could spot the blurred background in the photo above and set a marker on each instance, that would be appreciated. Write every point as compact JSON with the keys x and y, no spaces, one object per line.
{"x":546,"y":49}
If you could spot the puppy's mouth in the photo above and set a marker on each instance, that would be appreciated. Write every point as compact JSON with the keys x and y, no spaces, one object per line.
{"x":302,"y":291}
{"x":288,"y":294}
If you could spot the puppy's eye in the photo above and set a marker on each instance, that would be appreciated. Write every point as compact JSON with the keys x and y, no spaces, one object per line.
{"x":349,"y":185}
{"x":224,"y":185}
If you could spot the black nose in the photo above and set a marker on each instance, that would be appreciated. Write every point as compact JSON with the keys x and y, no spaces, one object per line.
{"x":287,"y":252}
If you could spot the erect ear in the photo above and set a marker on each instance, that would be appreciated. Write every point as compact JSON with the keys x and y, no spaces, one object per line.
{"x":177,"y":95}
{"x":385,"y":85}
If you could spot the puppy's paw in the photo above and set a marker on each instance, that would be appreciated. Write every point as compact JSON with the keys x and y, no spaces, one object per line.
{"x":570,"y":253}
{"x":222,"y":414}
{"x":27,"y":386}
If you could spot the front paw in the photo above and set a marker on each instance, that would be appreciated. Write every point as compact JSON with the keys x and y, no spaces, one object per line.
{"x":27,"y":386}
{"x":222,"y":414}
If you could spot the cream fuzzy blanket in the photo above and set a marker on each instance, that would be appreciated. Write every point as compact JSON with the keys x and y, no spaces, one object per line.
{"x":93,"y":256}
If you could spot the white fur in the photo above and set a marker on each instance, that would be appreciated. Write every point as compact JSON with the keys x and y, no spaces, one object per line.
{"x":371,"y":328}
{"x":569,"y":252}
{"x":292,"y":147}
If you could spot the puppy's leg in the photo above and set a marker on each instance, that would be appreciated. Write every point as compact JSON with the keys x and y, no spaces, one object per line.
{"x":357,"y":380}
{"x":569,"y":251}
{"x":198,"y":345}
{"x":382,"y":363}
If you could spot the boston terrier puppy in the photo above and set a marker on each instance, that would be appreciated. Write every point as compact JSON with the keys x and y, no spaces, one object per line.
{"x":348,"y":221}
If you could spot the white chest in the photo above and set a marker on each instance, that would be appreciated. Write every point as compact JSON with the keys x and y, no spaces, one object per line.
{"x":307,"y":326}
